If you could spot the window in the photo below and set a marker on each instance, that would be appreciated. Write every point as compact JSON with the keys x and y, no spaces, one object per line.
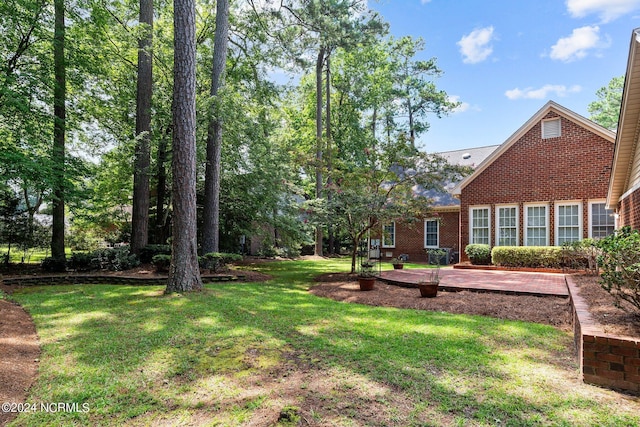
{"x":507,"y":226}
{"x":551,"y":128}
{"x":431,"y":228}
{"x":568,"y":223}
{"x":479,"y":226}
{"x":389,"y":235}
{"x":536,"y":228}
{"x":602,"y":221}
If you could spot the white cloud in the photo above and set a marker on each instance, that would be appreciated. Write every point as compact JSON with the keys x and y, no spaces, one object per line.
{"x":577,"y":45}
{"x":464,"y":106}
{"x":475,"y":46}
{"x":607,"y":10}
{"x":542,"y":93}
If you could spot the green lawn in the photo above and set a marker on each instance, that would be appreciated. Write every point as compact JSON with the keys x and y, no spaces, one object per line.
{"x":241,"y":353}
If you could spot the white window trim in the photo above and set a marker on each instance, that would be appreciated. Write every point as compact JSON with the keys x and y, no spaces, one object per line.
{"x":497,"y":225}
{"x":471,"y":208}
{"x":548,"y":121}
{"x":525,"y":207}
{"x":590,"y":216}
{"x":394,"y":235}
{"x":557,"y":218}
{"x":437,"y":233}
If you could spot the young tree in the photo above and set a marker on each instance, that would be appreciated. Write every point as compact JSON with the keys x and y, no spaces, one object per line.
{"x":606,"y":109}
{"x":211,"y":231}
{"x":141,"y":170}
{"x":184,"y":272}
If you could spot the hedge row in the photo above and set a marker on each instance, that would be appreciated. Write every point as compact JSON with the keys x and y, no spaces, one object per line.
{"x":527,"y":256}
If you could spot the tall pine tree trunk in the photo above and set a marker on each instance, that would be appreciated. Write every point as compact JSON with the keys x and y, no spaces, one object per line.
{"x":184,"y":273}
{"x":319,"y":145}
{"x":59,"y":113}
{"x":211,"y":212}
{"x":140,"y":216}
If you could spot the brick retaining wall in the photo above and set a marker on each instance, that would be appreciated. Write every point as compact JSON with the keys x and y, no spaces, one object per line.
{"x":605,"y":360}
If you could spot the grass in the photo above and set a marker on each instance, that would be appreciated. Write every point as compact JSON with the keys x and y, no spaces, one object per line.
{"x":31,"y":256}
{"x":237,"y":353}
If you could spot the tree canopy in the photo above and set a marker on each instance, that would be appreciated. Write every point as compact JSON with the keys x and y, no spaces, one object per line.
{"x":339,"y":137}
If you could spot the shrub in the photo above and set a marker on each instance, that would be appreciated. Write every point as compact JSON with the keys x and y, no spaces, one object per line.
{"x":216,"y":261}
{"x":478,"y":254}
{"x":581,"y":255}
{"x":161,"y":262}
{"x":116,"y":259}
{"x":148,"y":252}
{"x":527,"y":256}
{"x":620,"y":263}
{"x":81,"y":261}
{"x":54,"y":265}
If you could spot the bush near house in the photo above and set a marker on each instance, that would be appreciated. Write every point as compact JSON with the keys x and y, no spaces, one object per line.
{"x":620,"y":264}
{"x":478,"y":254}
{"x":527,"y":256}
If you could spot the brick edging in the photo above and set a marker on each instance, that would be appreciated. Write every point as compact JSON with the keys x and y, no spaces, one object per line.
{"x":606,"y":360}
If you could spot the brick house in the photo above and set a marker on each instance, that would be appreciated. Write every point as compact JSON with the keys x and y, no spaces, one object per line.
{"x":624,"y":187}
{"x":545,"y":185}
{"x":439,"y":229}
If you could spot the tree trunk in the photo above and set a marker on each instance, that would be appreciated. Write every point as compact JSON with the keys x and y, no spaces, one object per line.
{"x":184,"y":273}
{"x":140,"y":216}
{"x":211,"y":212}
{"x":319,"y":148}
{"x":59,"y":113}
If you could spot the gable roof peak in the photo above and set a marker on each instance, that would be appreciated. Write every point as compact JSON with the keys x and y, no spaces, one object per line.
{"x":527,"y":126}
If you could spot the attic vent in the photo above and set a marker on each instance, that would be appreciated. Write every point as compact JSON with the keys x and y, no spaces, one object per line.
{"x":466,"y":156}
{"x":551,"y":128}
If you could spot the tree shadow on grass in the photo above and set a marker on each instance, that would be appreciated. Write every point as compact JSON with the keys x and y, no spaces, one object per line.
{"x":240,"y":353}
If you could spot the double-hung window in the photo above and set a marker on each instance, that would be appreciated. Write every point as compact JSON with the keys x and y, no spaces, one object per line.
{"x":507,"y":226}
{"x":536,"y":228}
{"x":601,"y":220}
{"x":431,"y":228}
{"x":389,"y":235}
{"x":479,"y":220}
{"x":568,"y":222}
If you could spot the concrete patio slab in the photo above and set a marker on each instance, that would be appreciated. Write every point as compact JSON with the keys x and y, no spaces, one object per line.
{"x":508,"y":282}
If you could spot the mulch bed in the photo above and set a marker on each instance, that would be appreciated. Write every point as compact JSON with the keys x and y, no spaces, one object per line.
{"x":553,"y":311}
{"x":19,"y":356}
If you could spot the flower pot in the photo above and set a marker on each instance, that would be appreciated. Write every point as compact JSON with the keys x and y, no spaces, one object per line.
{"x":398,"y":266}
{"x":366,"y":283}
{"x":428,"y":290}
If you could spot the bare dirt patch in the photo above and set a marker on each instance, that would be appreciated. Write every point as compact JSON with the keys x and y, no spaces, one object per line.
{"x":613,"y":320}
{"x":553,"y":311}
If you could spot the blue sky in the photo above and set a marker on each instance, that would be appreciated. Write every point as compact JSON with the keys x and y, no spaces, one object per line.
{"x":504,"y":59}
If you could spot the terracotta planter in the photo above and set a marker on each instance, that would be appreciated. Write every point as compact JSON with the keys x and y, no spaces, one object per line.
{"x":398,"y":266}
{"x":366,"y":283}
{"x":428,"y":290}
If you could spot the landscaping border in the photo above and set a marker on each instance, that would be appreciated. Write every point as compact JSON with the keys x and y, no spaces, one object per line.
{"x":104,"y":279}
{"x":606,"y":360}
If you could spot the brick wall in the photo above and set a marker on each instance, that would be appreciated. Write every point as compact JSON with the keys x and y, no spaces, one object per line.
{"x":605,"y":360}
{"x":630,"y":210}
{"x":574,"y":166}
{"x":410,"y":237}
